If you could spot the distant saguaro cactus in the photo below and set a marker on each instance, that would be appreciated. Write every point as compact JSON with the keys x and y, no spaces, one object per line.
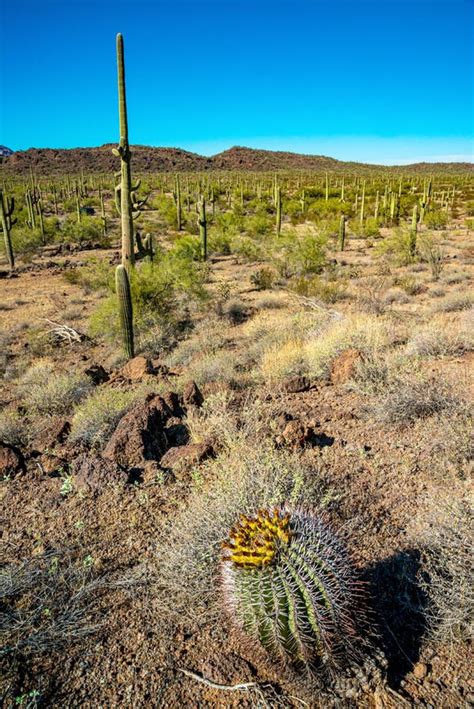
{"x":278,"y":211}
{"x":6,"y":210}
{"x":202,"y":223}
{"x":177,"y":198}
{"x":413,"y":231}
{"x":342,"y":233}
{"x":290,"y":587}
{"x":124,"y":299}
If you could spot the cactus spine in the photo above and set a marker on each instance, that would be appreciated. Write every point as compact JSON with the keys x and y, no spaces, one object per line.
{"x":342,"y":233}
{"x":124,"y":298}
{"x":202,"y":223}
{"x":123,"y":192}
{"x":6,"y":210}
{"x":290,"y":587}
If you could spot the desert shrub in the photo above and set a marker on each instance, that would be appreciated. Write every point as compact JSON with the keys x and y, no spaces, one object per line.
{"x":413,"y":394}
{"x":439,"y":338}
{"x":371,"y":294}
{"x":263,"y":279}
{"x":455,"y":303}
{"x":395,"y":295}
{"x":207,"y":338}
{"x":89,"y":228}
{"x":12,"y":428}
{"x":219,"y":242}
{"x":166,"y":208}
{"x":259,"y":225}
{"x":329,"y":291}
{"x":234,"y":310}
{"x":160,"y":292}
{"x":98,"y":274}
{"x":409,"y":284}
{"x":95,"y":418}
{"x":285,"y":360}
{"x":25,"y":241}
{"x":446,"y":571}
{"x":213,"y":367}
{"x":396,"y":247}
{"x":369,"y":228}
{"x":298,"y":252}
{"x":45,"y":390}
{"x":436,"y":219}
{"x":431,"y":252}
{"x":371,"y":374}
{"x":248,"y":248}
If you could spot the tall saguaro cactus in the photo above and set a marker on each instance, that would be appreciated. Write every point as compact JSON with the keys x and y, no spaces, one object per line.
{"x":123,"y":151}
{"x":342,"y":233}
{"x":413,"y":231}
{"x":6,"y":210}
{"x":177,"y":196}
{"x":124,"y":298}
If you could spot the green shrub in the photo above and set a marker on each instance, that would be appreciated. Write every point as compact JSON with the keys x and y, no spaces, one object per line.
{"x":436,"y":219}
{"x":46,"y":391}
{"x":319,"y":288}
{"x":95,"y":418}
{"x":263,"y":279}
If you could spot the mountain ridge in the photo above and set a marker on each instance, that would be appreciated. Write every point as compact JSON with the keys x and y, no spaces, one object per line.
{"x":57,"y":161}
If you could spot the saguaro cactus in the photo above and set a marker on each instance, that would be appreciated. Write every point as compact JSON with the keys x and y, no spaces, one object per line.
{"x":342,"y":233}
{"x":413,"y":231}
{"x":123,"y":193}
{"x":177,"y":197}
{"x":6,"y":210}
{"x":278,"y":211}
{"x":290,"y":587}
{"x":124,"y":299}
{"x":362,"y":204}
{"x":202,"y":223}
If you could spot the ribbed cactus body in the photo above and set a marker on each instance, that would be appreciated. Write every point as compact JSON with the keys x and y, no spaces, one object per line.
{"x":413,"y":231}
{"x":202,"y":223}
{"x":124,"y":299}
{"x":289,"y":585}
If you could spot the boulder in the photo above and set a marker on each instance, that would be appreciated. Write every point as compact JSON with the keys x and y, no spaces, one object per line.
{"x":140,"y":434}
{"x":92,"y":473}
{"x":298,"y":434}
{"x":343,"y":367}
{"x":11,"y":461}
{"x":136,"y":369}
{"x":192,"y":395}
{"x":182,"y":458}
{"x":52,"y":435}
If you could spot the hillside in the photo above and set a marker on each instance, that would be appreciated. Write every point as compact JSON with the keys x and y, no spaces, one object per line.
{"x":49,"y":161}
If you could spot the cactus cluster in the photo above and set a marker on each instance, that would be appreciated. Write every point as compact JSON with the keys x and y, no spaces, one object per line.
{"x":290,"y":587}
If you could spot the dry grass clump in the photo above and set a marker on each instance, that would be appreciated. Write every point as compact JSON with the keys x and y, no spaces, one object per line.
{"x":96,"y":417}
{"x":47,"y":602}
{"x":45,"y":390}
{"x":455,"y":303}
{"x":12,"y":428}
{"x":285,"y":360}
{"x":220,"y":366}
{"x":411,"y":393}
{"x":441,"y":338}
{"x":207,"y":338}
{"x":447,"y":575}
{"x":366,"y":333}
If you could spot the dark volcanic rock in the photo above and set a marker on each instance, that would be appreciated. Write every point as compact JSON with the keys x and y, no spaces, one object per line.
{"x":11,"y":461}
{"x":182,"y":458}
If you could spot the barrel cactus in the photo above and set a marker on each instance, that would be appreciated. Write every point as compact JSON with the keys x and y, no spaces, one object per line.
{"x":290,"y":587}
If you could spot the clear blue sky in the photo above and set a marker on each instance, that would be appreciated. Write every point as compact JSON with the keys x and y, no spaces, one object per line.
{"x":386,"y":81}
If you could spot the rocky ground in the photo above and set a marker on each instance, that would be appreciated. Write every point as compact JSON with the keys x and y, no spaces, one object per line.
{"x":105,"y":512}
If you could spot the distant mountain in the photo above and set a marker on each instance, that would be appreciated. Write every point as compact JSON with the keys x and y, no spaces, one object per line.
{"x":49,"y":161}
{"x":5,"y":152}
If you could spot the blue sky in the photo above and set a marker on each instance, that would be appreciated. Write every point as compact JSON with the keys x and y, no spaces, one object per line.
{"x":387,"y":81}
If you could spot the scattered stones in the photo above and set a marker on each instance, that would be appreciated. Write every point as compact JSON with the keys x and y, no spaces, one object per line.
{"x":11,"y":461}
{"x":192,"y":395}
{"x":182,"y":458}
{"x":140,"y":433}
{"x":295,"y":385}
{"x":343,"y":367}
